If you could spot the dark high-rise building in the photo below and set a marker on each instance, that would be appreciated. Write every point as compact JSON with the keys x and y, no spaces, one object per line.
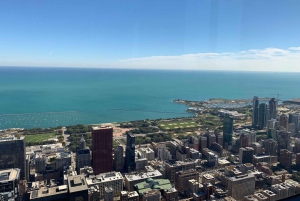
{"x":294,"y":118}
{"x":102,"y":145}
{"x":263,"y":116}
{"x":227,"y":129}
{"x":118,"y":158}
{"x":244,"y":140}
{"x":12,"y":154}
{"x":271,"y":147}
{"x":130,"y":153}
{"x":202,"y":142}
{"x":284,"y":121}
{"x":219,"y":139}
{"x":285,"y":158}
{"x":246,"y":155}
{"x":255,"y":111}
{"x":273,"y":108}
{"x":83,"y":155}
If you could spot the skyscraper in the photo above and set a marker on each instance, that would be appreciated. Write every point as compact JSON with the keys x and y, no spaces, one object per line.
{"x":294,"y":118}
{"x":284,"y":121}
{"x":273,"y":108}
{"x":262,"y":115}
{"x":118,"y":158}
{"x":255,"y":111}
{"x":130,"y":153}
{"x":83,"y":155}
{"x":102,"y":145}
{"x":227,"y":129}
{"x":12,"y":154}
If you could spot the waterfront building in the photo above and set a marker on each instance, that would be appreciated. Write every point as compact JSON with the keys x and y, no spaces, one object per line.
{"x":100,"y":181}
{"x":227,"y":130}
{"x":255,"y":111}
{"x":118,"y":158}
{"x":78,"y":189}
{"x":83,"y":155}
{"x":12,"y":153}
{"x":285,"y":158}
{"x":273,"y":104}
{"x":284,"y":121}
{"x":246,"y":155}
{"x":130,"y":153}
{"x":240,"y":186}
{"x":102,"y":145}
{"x":9,"y":183}
{"x":263,"y":115}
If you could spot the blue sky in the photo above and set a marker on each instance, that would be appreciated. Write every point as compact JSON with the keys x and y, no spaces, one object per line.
{"x":151,"y":34}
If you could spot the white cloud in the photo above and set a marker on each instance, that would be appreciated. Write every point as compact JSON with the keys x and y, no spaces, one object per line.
{"x":269,"y":59}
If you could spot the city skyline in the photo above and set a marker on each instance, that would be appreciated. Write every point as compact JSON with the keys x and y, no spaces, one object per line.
{"x":206,"y":35}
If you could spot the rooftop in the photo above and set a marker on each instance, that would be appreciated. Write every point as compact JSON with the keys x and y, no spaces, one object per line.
{"x":77,"y":183}
{"x":101,"y":127}
{"x":10,"y":138}
{"x":105,"y":177}
{"x":45,"y":191}
{"x":160,"y":184}
{"x":241,"y":177}
{"x":63,"y":155}
{"x":144,"y":175}
{"x":9,"y":174}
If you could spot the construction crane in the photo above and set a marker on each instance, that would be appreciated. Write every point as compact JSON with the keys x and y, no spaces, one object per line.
{"x":277,"y":95}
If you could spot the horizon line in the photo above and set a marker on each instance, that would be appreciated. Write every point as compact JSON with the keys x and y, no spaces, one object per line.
{"x":154,"y":69}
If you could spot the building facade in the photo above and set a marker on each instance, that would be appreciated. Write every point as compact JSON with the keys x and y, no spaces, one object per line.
{"x":102,"y":145}
{"x":13,"y":154}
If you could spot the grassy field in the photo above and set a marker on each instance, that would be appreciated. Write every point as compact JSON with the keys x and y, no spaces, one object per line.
{"x":172,"y":125}
{"x":39,"y":137}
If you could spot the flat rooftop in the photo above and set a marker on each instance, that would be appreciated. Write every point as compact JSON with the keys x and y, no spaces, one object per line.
{"x":9,"y":174}
{"x":101,"y":127}
{"x":77,"y":183}
{"x":46,"y":192}
{"x":133,"y":177}
{"x":105,"y":177}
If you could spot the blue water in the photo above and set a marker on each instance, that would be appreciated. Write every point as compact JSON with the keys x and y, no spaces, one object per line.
{"x":44,"y":97}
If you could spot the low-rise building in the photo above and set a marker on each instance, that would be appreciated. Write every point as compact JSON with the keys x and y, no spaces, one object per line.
{"x":182,"y":178}
{"x":9,"y":181}
{"x":111,"y":179}
{"x":132,"y":179}
{"x":240,"y":186}
{"x":171,"y":167}
{"x":78,"y":189}
{"x":129,"y":196}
